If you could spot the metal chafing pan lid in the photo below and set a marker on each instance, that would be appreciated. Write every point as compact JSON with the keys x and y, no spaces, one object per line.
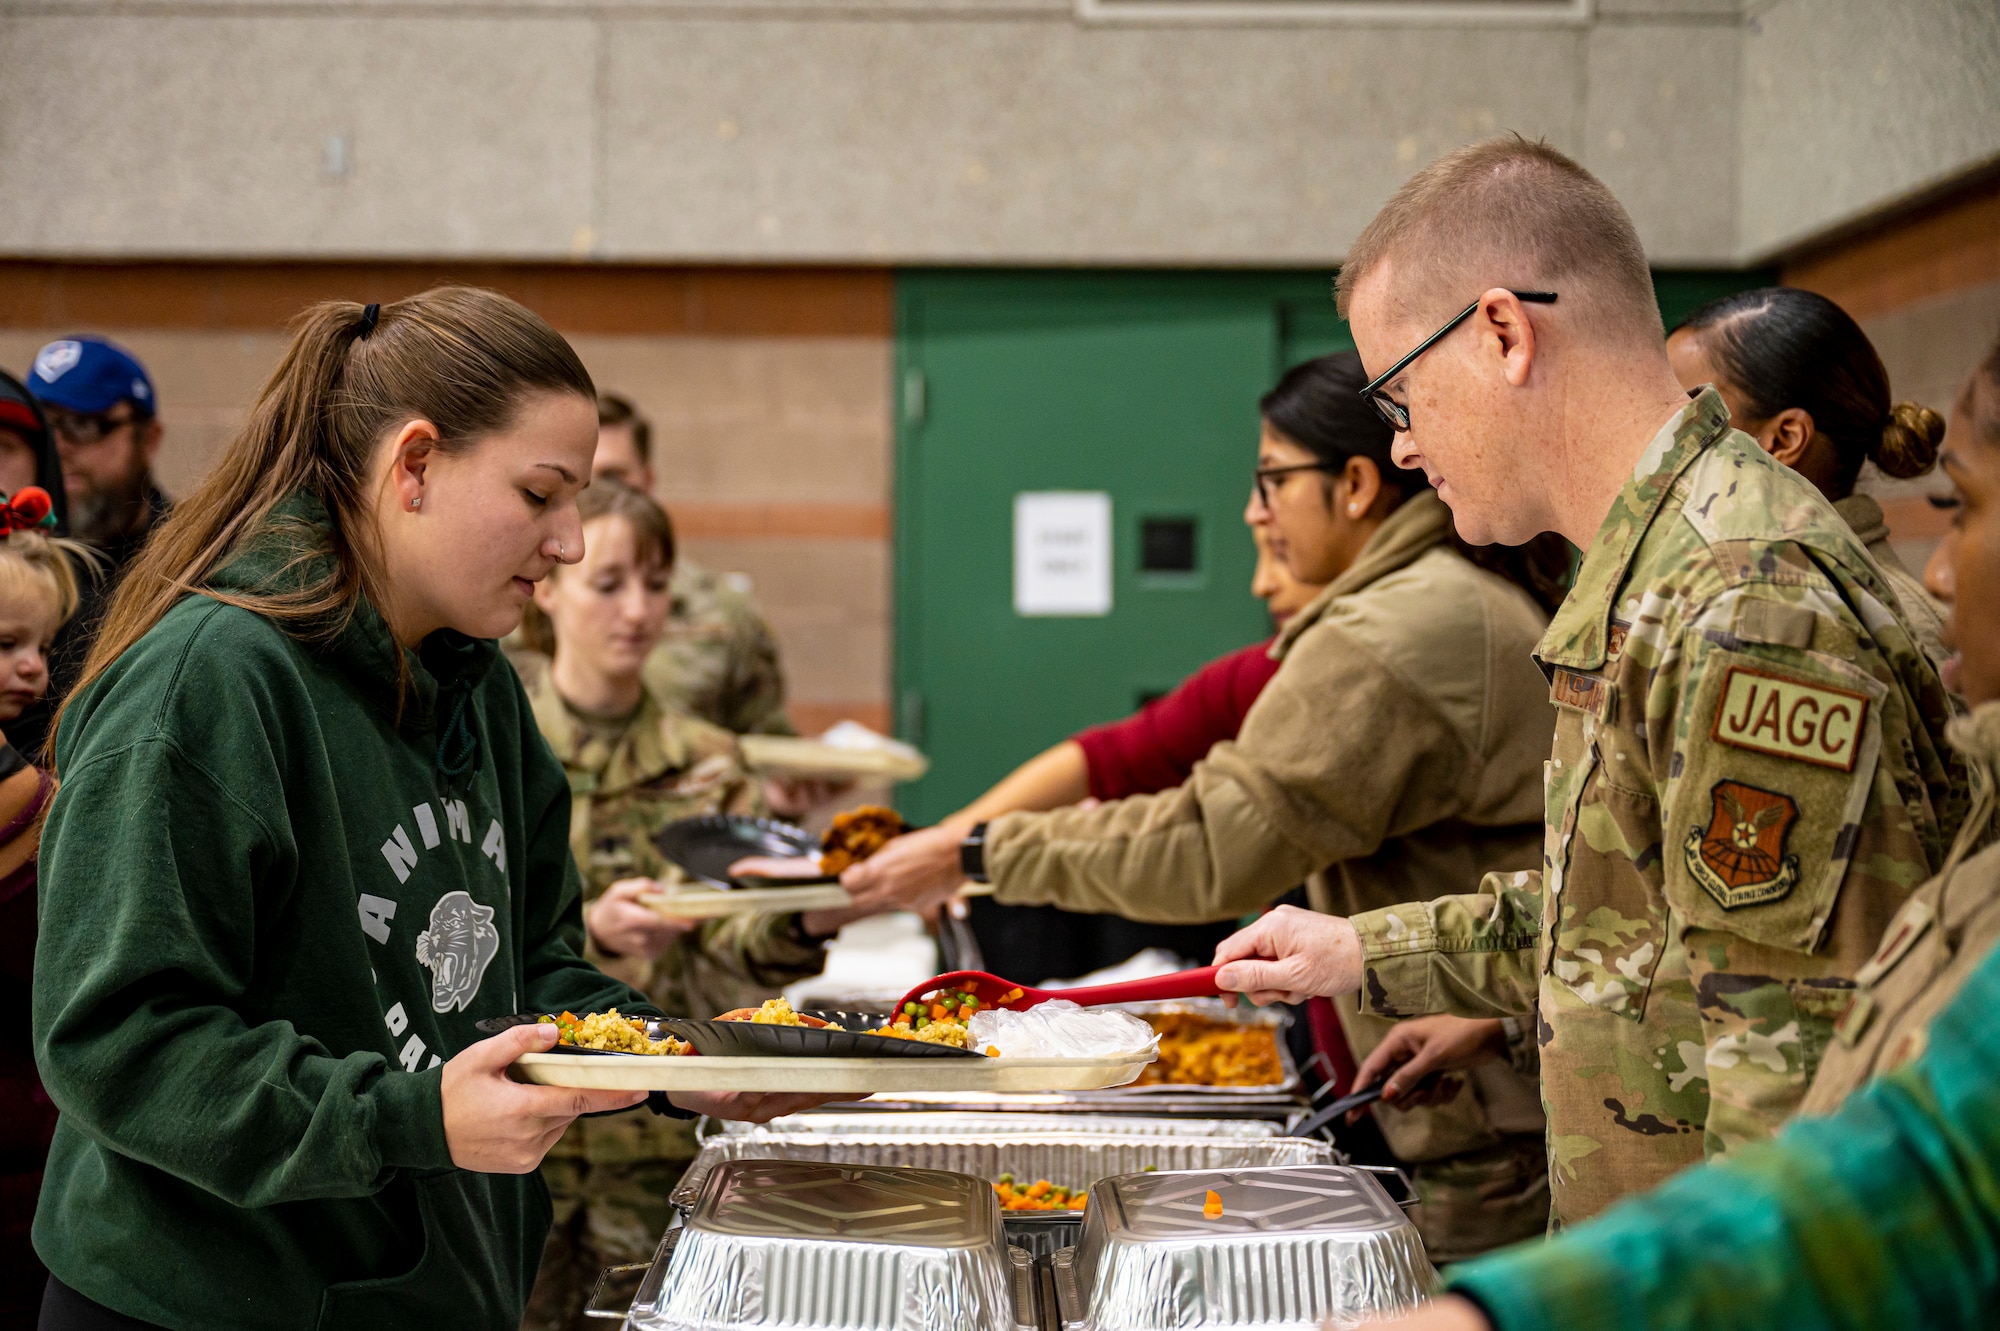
{"x":831,"y":1247}
{"x":1290,"y":1249}
{"x":1074,"y":1160}
{"x":916,"y":1122}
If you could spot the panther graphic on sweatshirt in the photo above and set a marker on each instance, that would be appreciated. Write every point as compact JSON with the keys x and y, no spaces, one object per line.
{"x":458,"y":947}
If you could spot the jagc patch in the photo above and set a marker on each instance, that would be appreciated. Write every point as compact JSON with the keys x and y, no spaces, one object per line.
{"x":1789,"y":718}
{"x":1739,"y":858}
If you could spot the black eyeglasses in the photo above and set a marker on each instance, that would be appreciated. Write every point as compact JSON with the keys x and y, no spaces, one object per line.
{"x":1264,"y":476}
{"x":1396,"y":413}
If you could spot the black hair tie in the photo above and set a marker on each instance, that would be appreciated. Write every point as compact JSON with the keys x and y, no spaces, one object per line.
{"x":369,"y":314}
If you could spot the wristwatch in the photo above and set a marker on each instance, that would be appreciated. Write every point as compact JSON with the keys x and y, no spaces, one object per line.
{"x":972,"y":854}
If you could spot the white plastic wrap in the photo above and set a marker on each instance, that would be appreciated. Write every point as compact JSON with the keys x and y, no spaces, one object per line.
{"x":1061,"y":1029}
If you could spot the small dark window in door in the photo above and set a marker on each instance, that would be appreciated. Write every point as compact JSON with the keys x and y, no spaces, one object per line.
{"x":1166,"y":545}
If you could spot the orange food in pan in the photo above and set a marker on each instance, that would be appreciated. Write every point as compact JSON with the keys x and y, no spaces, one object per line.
{"x":1201,"y":1051}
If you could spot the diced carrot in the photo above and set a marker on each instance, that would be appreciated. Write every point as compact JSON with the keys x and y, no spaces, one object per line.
{"x":1211,"y":1205}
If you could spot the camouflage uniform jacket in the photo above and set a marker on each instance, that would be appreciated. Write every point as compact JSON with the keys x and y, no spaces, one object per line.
{"x":659,"y":767}
{"x":718,"y":660}
{"x":1924,"y":615}
{"x":1943,"y":933}
{"x":1748,"y":780}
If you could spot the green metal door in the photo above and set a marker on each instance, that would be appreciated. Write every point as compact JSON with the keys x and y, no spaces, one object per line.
{"x":1142,"y":386}
{"x":1139,"y":386}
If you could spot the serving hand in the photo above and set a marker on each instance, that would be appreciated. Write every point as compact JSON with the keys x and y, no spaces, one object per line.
{"x":1290,"y":955}
{"x":917,"y":871}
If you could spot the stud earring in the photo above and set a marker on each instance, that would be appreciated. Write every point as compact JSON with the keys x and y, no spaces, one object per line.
{"x":418,"y":502}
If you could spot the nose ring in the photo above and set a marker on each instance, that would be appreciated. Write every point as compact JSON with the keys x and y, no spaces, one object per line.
{"x":560,"y":557}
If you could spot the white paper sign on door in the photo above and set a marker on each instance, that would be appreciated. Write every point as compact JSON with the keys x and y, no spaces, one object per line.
{"x":1062,"y":553}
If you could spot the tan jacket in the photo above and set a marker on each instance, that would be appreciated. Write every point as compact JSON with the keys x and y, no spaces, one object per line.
{"x":1399,"y":748}
{"x":1396,"y":755}
{"x":1942,"y":934}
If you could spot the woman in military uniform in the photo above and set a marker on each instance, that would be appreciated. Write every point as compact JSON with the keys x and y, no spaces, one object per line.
{"x":635,"y":765}
{"x":1800,"y":377}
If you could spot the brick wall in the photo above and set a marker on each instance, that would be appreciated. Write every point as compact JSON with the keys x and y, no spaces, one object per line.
{"x":769,"y":390}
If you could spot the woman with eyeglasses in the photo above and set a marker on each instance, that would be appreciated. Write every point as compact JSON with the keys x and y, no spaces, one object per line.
{"x":1800,"y":377}
{"x":1395,"y":755}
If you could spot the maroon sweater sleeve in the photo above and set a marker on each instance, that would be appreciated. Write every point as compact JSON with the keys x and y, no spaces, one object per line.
{"x":1157,"y":747}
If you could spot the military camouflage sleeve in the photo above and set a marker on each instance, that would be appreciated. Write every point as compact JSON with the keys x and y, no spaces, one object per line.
{"x":1472,"y":955}
{"x":764,"y":948}
{"x":1886,"y":1214}
{"x":1787,"y":846}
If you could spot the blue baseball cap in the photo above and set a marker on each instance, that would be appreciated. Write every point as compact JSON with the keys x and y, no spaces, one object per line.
{"x":89,"y":376}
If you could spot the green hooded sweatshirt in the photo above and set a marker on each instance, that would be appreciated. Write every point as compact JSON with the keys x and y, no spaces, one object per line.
{"x":272,"y":904}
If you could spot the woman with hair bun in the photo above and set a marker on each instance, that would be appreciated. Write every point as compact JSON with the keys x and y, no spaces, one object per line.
{"x":1799,"y":375}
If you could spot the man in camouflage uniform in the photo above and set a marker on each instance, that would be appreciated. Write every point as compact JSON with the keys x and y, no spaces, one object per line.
{"x":718,"y":660}
{"x":610,"y":1178}
{"x":1749,"y":774}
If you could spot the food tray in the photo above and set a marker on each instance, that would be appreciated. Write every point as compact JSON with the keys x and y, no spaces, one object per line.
{"x":918,"y":1123}
{"x":1292,"y":1250}
{"x":827,"y":1247}
{"x":794,"y":756}
{"x":825,"y":1076}
{"x":1072,"y":1159}
{"x":690,"y":901}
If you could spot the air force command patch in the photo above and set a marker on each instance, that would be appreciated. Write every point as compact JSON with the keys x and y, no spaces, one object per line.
{"x":1739,"y":858}
{"x":1789,"y":718}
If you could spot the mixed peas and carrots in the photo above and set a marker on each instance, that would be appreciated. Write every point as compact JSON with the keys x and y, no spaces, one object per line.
{"x":942,"y":1017}
{"x":1041,"y":1195}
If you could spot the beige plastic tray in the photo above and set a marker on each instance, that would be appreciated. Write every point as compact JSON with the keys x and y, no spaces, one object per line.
{"x":823,"y":1076}
{"x":708,"y":903}
{"x":809,"y":757}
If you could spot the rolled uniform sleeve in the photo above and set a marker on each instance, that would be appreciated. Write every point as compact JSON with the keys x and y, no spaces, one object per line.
{"x":1473,"y":955}
{"x":1339,"y":753}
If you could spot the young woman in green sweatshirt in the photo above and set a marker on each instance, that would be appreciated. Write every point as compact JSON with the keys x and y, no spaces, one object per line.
{"x":308,"y":837}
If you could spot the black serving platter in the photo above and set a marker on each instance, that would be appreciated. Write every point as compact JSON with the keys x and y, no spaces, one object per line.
{"x":749,"y":1039}
{"x":706,"y":846}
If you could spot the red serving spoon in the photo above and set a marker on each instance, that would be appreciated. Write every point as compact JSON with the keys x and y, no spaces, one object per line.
{"x":1181,"y":984}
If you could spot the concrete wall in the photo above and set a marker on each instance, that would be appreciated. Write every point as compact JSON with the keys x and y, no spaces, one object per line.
{"x":867,"y":130}
{"x":1851,"y":105}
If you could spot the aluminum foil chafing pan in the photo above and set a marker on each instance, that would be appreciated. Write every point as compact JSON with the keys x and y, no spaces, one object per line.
{"x":919,"y":1123}
{"x":1072,"y":1160}
{"x":1291,"y":1250}
{"x":831,"y":1247}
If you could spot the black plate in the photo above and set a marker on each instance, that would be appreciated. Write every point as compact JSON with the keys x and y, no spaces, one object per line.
{"x":748,"y":1039}
{"x":706,"y":846}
